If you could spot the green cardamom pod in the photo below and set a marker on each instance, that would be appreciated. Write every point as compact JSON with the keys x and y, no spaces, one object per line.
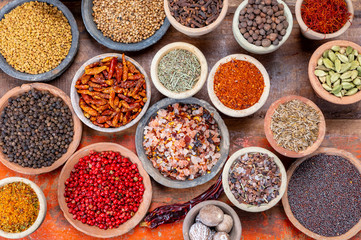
{"x":335,"y":77}
{"x":359,"y":59}
{"x":342,"y":58}
{"x":337,"y":83}
{"x":323,"y":68}
{"x":355,"y":52}
{"x":322,"y":79}
{"x":331,"y":55}
{"x":357,"y":81}
{"x":347,"y":85}
{"x":338,"y":65}
{"x":343,"y":76}
{"x":343,"y":92}
{"x":320,"y":62}
{"x":345,"y":67}
{"x":342,"y":50}
{"x":327,"y":62}
{"x":335,"y":48}
{"x":325,"y":54}
{"x":354,"y":74}
{"x":326,"y":87}
{"x":339,"y":94}
{"x":336,"y":89}
{"x":351,"y":92}
{"x":349,"y":50}
{"x":320,"y":73}
{"x":351,"y":57}
{"x":347,"y":80}
{"x":328,"y":80}
{"x":354,"y":65}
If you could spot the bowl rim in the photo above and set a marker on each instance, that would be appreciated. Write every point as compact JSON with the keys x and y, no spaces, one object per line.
{"x":259,"y":49}
{"x":269,"y":134}
{"x":286,"y":206}
{"x":94,"y":230}
{"x":244,"y":112}
{"x":64,"y":64}
{"x":315,"y":83}
{"x":77,"y":128}
{"x":321,"y":36}
{"x":42,"y":207}
{"x":248,"y":207}
{"x":228,"y":210}
{"x":91,"y":27}
{"x":75,"y":96}
{"x":153,"y":172}
{"x":196,"y":31}
{"x":165,"y":50}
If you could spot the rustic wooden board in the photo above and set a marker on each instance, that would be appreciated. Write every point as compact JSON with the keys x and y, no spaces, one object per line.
{"x":288,"y":71}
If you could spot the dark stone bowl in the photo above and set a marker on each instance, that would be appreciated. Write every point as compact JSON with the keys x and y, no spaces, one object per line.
{"x":153,"y":172}
{"x":47,"y":76}
{"x":91,"y":27}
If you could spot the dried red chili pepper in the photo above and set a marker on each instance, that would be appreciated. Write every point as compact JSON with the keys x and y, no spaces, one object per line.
{"x":176,"y":212}
{"x":238,"y":84}
{"x":113,"y":63}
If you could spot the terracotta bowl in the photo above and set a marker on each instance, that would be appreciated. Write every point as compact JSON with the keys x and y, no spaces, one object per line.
{"x":328,"y":151}
{"x":154,"y":172}
{"x":94,"y":230}
{"x":42,"y":208}
{"x":308,"y":33}
{"x":316,"y":84}
{"x":75,"y":96}
{"x":269,"y":134}
{"x":259,"y":49}
{"x":165,"y":50}
{"x":236,"y":231}
{"x":226,"y":110}
{"x":195,"y":32}
{"x":77,"y":127}
{"x":248,"y":207}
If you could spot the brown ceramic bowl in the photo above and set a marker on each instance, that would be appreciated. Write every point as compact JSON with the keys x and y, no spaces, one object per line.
{"x":269,"y":134}
{"x":77,"y":127}
{"x":93,"y":230}
{"x":315,"y":83}
{"x":236,"y":231}
{"x":329,"y":151}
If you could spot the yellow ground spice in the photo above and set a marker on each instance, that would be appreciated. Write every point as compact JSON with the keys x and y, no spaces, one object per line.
{"x":35,"y":37}
{"x":19,"y":207}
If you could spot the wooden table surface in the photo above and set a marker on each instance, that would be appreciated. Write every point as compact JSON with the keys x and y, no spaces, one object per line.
{"x":287,"y":68}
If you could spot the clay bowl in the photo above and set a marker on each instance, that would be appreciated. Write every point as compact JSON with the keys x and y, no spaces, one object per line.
{"x":236,"y":231}
{"x":308,"y":33}
{"x":164,"y":51}
{"x":286,"y":206}
{"x":229,"y":111}
{"x":94,"y":230}
{"x":248,"y":207}
{"x":77,"y":127}
{"x":259,"y":49}
{"x":91,"y":27}
{"x":153,"y":172}
{"x":42,"y":208}
{"x":75,"y":96}
{"x":56,"y":72}
{"x":316,"y":84}
{"x":269,"y":134}
{"x":195,"y":32}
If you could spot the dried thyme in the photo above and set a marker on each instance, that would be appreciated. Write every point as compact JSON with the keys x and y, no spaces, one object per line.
{"x":179,"y":70}
{"x":19,"y":207}
{"x":255,"y":179}
{"x":295,"y":125}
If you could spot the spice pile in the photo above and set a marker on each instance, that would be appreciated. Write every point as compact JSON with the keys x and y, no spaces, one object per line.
{"x":128,"y":21}
{"x":326,"y":16}
{"x":182,"y":141}
{"x":179,"y":70}
{"x":113,"y":93}
{"x":19,"y":207}
{"x":35,"y":37}
{"x":195,"y":14}
{"x":255,"y":179}
{"x":36,"y":129}
{"x":104,"y":190}
{"x":295,"y":125}
{"x":324,"y":195}
{"x":263,"y":22}
{"x":211,"y":223}
{"x":339,"y":71}
{"x":238,"y":84}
